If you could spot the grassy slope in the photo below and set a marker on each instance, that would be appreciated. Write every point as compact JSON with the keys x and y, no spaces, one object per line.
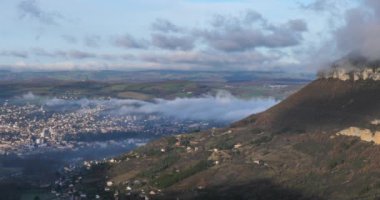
{"x":305,"y":165}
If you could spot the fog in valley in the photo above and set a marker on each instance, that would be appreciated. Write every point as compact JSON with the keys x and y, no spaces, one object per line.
{"x":223,"y":107}
{"x":218,"y":110}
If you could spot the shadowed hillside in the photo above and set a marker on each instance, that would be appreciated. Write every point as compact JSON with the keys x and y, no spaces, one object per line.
{"x":323,"y":104}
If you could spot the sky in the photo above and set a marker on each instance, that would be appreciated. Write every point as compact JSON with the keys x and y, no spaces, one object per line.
{"x":289,"y":35}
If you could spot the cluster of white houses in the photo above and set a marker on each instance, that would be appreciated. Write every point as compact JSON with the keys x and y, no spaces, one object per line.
{"x":26,"y":127}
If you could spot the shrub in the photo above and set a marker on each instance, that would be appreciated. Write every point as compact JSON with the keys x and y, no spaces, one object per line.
{"x":225,"y":144}
{"x":167,"y":180}
{"x":335,"y":162}
{"x":171,"y":140}
{"x":160,"y":166}
{"x":263,"y":139}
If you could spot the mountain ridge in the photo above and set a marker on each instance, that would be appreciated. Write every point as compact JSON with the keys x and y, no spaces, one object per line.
{"x":290,"y":151}
{"x":324,"y":102}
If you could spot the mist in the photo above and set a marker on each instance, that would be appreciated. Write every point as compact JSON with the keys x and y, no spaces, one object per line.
{"x":223,"y":107}
{"x":358,"y":39}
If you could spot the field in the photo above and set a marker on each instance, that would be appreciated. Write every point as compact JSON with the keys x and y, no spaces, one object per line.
{"x":146,"y":85}
{"x":143,"y":91}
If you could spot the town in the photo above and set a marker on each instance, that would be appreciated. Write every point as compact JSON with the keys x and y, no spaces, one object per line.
{"x":33,"y":128}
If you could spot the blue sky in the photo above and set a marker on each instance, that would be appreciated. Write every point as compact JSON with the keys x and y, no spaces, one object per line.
{"x":167,"y":34}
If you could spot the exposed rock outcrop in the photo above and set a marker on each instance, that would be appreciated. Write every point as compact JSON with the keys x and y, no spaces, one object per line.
{"x":355,"y":74}
{"x":375,"y":122}
{"x":364,"y":134}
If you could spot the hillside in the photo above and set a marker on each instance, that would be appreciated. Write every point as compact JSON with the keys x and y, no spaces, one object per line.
{"x":325,"y":104}
{"x":291,"y":151}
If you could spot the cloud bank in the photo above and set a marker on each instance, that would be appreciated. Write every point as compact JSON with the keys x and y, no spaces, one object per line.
{"x":250,"y":31}
{"x":361,"y":30}
{"x":223,"y":107}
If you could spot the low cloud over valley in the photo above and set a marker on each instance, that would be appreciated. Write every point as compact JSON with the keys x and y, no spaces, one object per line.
{"x":223,"y":107}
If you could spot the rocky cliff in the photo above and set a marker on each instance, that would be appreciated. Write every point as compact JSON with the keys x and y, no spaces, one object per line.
{"x":343,"y":74}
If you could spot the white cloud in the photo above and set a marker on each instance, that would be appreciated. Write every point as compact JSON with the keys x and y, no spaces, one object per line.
{"x":223,"y":107}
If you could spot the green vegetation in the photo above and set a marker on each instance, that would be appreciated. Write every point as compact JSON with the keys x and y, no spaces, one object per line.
{"x":262,"y":140}
{"x":365,"y":189}
{"x":349,"y":144}
{"x":171,"y":140}
{"x":358,"y":163}
{"x":185,"y":140}
{"x":262,"y":90}
{"x":138,"y":85}
{"x":256,"y":131}
{"x":167,"y":180}
{"x":333,"y":163}
{"x":92,"y":89}
{"x":222,"y":142}
{"x":161,"y":165}
{"x":150,"y":151}
{"x":225,"y":143}
{"x":312,"y":147}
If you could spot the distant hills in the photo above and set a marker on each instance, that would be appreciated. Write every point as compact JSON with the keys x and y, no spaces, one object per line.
{"x":147,"y":85}
{"x":152,"y":76}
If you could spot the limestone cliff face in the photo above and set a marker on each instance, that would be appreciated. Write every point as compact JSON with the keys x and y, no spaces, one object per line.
{"x":355,"y":75}
{"x":364,"y":134}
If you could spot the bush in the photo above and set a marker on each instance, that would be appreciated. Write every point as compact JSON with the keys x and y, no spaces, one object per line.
{"x":160,"y":166}
{"x":261,"y":140}
{"x":171,"y":140}
{"x":256,"y":131}
{"x":347,"y":145}
{"x":335,"y":162}
{"x":167,"y":180}
{"x":185,"y":141}
{"x":225,"y":144}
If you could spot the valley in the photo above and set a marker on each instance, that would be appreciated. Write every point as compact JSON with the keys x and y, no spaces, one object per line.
{"x":51,"y":131}
{"x":190,"y":100}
